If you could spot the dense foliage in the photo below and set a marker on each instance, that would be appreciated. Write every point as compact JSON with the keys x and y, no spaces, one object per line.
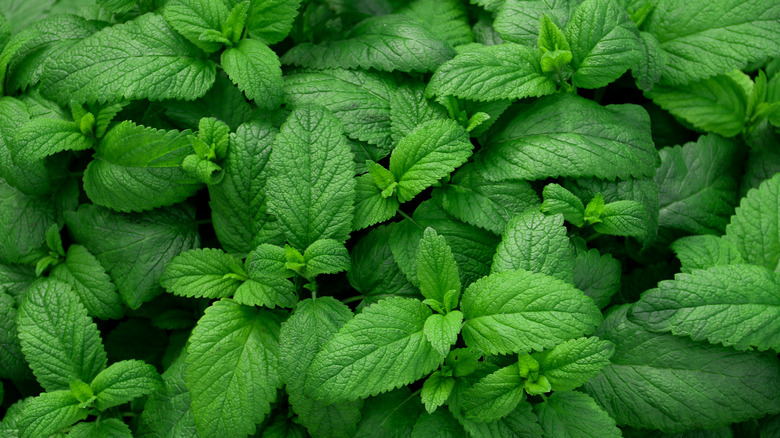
{"x":426,"y":218}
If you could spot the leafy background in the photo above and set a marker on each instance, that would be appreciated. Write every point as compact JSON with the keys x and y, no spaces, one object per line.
{"x":424,"y":218}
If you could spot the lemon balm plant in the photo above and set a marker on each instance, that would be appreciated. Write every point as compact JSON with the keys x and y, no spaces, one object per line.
{"x":426,"y":218}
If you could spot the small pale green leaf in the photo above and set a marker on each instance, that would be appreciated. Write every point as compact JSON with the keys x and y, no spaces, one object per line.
{"x":437,"y":271}
{"x":442,"y":330}
{"x":326,"y":256}
{"x":495,"y":395}
{"x":622,"y":218}
{"x":192,"y":18}
{"x":265,"y":291}
{"x":559,"y":200}
{"x":371,"y":207}
{"x":436,"y":390}
{"x":570,"y":364}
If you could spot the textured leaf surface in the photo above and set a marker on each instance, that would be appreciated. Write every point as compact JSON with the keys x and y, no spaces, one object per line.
{"x":359,"y":99}
{"x":370,"y":206}
{"x":31,"y":178}
{"x":193,"y":17}
{"x":326,"y":256}
{"x":566,"y":135}
{"x":381,"y":348}
{"x":105,"y":427}
{"x":271,"y":20}
{"x":48,"y":413}
{"x":442,"y":330}
{"x":392,"y":414}
{"x":518,"y":20}
{"x":232,"y":368}
{"x":755,"y":226}
{"x":140,"y":247}
{"x":312,"y":190}
{"x":87,"y":277}
{"x":703,"y":38}
{"x":167,"y":413}
{"x":572,"y":363}
{"x":697,"y":185}
{"x":521,"y":422}
{"x":672,"y":383}
{"x":604,"y":43}
{"x":142,"y":58}
{"x":495,"y":395}
{"x":202,"y":273}
{"x":23,"y":223}
{"x":428,"y":153}
{"x":138,"y":168}
{"x":59,"y":340}
{"x":702,"y":252}
{"x":12,"y":361}
{"x":42,"y":137}
{"x":437,"y":271}
{"x":390,"y":42}
{"x":737,"y":306}
{"x":444,"y":18}
{"x":439,"y":424}
{"x":472,"y":198}
{"x":239,"y":211}
{"x":124,"y":381}
{"x":575,"y":415}
{"x":536,"y":243}
{"x":409,"y":108}
{"x":718,"y":104}
{"x":517,"y":311}
{"x":256,"y":70}
{"x":597,"y":275}
{"x":312,"y":325}
{"x":506,"y":71}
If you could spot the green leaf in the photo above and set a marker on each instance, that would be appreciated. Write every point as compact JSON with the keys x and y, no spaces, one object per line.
{"x":43,"y":136}
{"x":718,"y":104}
{"x":124,"y":381}
{"x":87,"y":277}
{"x":437,"y":271}
{"x":117,"y":6}
{"x":737,"y":306}
{"x":604,"y":43}
{"x":651,"y":64}
{"x":59,"y":339}
{"x":409,"y":108}
{"x":268,"y":292}
{"x":660,"y":381}
{"x":597,"y":275}
{"x":570,"y":364}
{"x":382,"y":348}
{"x":703,"y":252}
{"x":223,"y":101}
{"x":518,"y":20}
{"x":311,"y":190}
{"x":495,"y":395}
{"x":192,"y":18}
{"x":567,"y":135}
{"x":393,"y":414}
{"x":232,"y":368}
{"x":359,"y":99}
{"x":104,"y":427}
{"x":371,"y":207}
{"x":559,"y":200}
{"x":209,"y":273}
{"x":388,"y":43}
{"x":138,"y":168}
{"x":23,"y":223}
{"x":140,"y":59}
{"x":505,"y":71}
{"x":256,"y":70}
{"x":167,"y":412}
{"x":271,"y":20}
{"x":442,"y":330}
{"x":49,"y":412}
{"x":439,"y":424}
{"x":551,"y":38}
{"x":515,"y":311}
{"x":268,"y":261}
{"x":536,"y":243}
{"x":622,"y":218}
{"x":140,"y":247}
{"x":754,"y":227}
{"x":521,"y":423}
{"x":326,"y":256}
{"x":32,"y":178}
{"x":698,"y":185}
{"x":238,"y":203}
{"x":12,"y":362}
{"x":444,"y":18}
{"x":574,"y":415}
{"x":430,"y":152}
{"x":436,"y":390}
{"x":472,"y":198}
{"x":703,"y":39}
{"x":375,"y":273}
